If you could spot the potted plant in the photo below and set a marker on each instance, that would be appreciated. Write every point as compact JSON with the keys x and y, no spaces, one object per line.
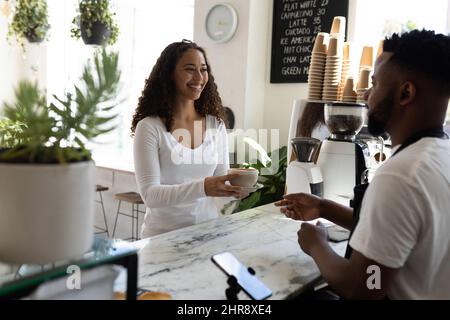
{"x":30,"y":21}
{"x":273,"y":185}
{"x":47,"y":177}
{"x":95,"y":23}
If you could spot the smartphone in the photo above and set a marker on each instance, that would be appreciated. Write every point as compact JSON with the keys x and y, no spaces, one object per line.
{"x":248,"y":282}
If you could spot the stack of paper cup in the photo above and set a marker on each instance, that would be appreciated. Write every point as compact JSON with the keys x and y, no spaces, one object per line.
{"x":317,"y":66}
{"x":346,"y":66}
{"x":349,"y":93}
{"x":363,"y":84}
{"x":333,"y":70}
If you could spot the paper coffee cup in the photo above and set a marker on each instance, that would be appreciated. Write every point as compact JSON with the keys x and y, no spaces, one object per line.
{"x":380,"y":48}
{"x":321,"y":43}
{"x":338,"y":26}
{"x":349,"y":88}
{"x":335,"y":47}
{"x":366,"y":57}
{"x":363,"y":80}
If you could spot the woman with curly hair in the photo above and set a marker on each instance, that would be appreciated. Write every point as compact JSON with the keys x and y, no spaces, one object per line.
{"x":177,"y":175}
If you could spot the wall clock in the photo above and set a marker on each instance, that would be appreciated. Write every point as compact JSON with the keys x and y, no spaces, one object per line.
{"x":221,"y":22}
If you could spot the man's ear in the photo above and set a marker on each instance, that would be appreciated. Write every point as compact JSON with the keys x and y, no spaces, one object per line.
{"x":408,"y":91}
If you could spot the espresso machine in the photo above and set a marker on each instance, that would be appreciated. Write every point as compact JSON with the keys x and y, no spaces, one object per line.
{"x":342,"y":157}
{"x":302,"y":174}
{"x":346,"y":155}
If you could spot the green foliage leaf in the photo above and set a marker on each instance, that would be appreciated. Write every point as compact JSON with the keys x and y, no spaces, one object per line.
{"x":250,"y":201}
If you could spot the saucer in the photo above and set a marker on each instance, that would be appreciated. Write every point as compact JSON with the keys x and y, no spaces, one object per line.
{"x":253,"y":188}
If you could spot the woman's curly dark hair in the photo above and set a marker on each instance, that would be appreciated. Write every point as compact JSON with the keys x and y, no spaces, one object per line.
{"x":159,"y":92}
{"x":311,"y":117}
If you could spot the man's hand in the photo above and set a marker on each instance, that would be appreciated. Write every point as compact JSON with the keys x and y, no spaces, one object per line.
{"x":300,"y":206}
{"x":310,"y":236}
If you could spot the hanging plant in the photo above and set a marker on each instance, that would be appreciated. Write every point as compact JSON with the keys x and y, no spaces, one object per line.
{"x":95,"y":23}
{"x":30,"y":21}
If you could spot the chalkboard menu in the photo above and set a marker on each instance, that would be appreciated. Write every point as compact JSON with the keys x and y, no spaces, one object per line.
{"x":295,"y":26}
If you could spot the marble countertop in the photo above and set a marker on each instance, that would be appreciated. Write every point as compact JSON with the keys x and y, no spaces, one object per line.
{"x":179,"y":262}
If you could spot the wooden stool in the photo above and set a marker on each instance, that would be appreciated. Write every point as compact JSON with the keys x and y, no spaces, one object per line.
{"x":99,"y":189}
{"x":135,"y":199}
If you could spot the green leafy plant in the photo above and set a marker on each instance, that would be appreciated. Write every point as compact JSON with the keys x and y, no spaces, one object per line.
{"x":273,"y":185}
{"x":89,"y":13}
{"x":30,"y":21}
{"x":58,"y":132}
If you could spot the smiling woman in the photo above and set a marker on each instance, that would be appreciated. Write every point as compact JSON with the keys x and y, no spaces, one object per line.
{"x":177,"y":176}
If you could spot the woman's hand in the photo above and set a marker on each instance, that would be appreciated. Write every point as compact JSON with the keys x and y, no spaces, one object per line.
{"x":300,"y":206}
{"x":216,"y":187}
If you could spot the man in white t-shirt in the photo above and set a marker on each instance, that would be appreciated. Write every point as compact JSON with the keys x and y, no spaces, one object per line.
{"x":401,"y":243}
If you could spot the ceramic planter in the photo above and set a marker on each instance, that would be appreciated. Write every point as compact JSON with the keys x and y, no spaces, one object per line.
{"x":99,"y":33}
{"x":46,"y":211}
{"x":32,"y":36}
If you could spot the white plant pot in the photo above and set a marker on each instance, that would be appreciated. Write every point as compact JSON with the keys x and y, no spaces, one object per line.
{"x":46,"y":211}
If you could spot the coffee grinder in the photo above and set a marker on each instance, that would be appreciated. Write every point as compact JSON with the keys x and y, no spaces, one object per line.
{"x":342,"y":158}
{"x":302,"y":174}
{"x":376,"y":150}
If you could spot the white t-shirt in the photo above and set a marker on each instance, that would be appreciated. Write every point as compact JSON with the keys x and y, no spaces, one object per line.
{"x":170,"y":177}
{"x":405,"y":220}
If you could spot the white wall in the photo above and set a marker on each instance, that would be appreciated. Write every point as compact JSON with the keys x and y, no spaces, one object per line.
{"x":34,"y":63}
{"x":16,"y":64}
{"x":448,"y":18}
{"x":228,"y":60}
{"x":278,"y":96}
{"x":9,"y":65}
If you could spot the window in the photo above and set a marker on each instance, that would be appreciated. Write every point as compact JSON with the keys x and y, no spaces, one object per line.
{"x":374,"y":20}
{"x":146,"y":28}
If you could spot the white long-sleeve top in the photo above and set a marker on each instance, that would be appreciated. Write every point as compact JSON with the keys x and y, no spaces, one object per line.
{"x":170,"y":177}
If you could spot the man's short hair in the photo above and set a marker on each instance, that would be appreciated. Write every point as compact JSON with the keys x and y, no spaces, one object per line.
{"x":424,"y":52}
